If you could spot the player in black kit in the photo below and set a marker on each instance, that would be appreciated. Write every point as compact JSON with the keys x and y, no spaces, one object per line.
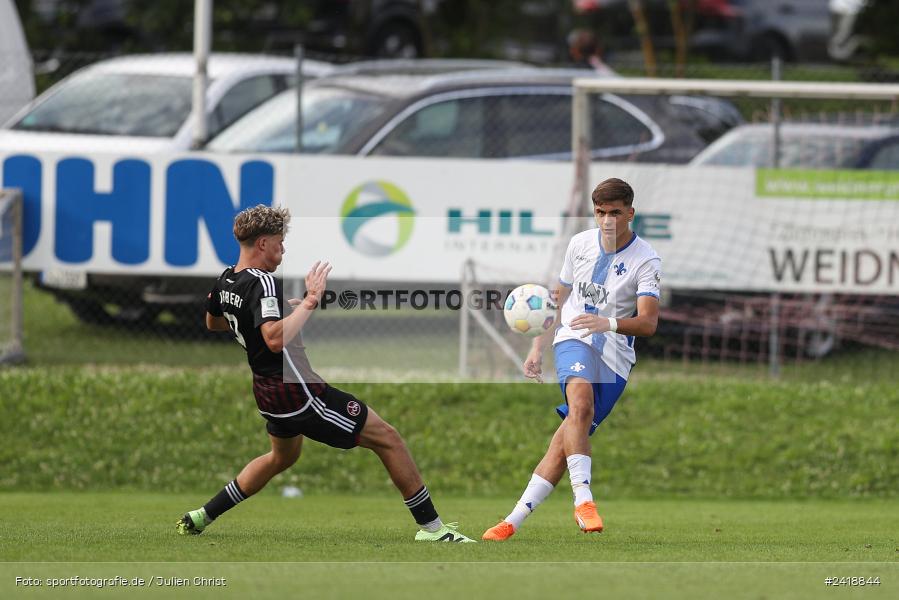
{"x":290,"y":396}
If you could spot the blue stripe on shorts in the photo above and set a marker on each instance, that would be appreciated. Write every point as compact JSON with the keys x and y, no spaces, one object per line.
{"x":577,"y":359}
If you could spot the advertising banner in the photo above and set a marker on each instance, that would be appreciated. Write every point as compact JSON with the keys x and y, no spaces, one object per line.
{"x":420,"y":220}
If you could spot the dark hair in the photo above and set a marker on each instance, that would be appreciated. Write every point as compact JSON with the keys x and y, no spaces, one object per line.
{"x":613,"y":190}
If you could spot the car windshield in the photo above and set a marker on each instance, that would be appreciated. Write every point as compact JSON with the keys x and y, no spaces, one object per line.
{"x":813,"y":151}
{"x":330,"y":117}
{"x":114,"y":104}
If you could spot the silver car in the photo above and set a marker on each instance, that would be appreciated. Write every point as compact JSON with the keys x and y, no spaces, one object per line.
{"x":484,"y":114}
{"x":143,"y":102}
{"x":805,"y":145}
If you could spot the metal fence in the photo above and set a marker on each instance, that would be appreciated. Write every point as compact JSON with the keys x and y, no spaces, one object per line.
{"x":525,"y":119}
{"x":11,"y":280}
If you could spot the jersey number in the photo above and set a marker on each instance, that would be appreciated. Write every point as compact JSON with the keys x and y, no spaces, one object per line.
{"x":232,"y":321}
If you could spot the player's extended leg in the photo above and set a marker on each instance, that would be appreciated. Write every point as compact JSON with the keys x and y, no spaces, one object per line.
{"x":552,"y":466}
{"x":384,"y":440}
{"x":579,"y":394}
{"x":381,"y":438}
{"x":547,"y":474}
{"x":253,"y":477}
{"x":576,"y":436}
{"x":260,"y":470}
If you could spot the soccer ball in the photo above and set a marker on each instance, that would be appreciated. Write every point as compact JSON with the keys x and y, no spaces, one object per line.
{"x":529,"y":310}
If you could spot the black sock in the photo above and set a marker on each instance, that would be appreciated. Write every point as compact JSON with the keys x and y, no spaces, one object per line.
{"x":230,"y":496}
{"x":421,"y":507}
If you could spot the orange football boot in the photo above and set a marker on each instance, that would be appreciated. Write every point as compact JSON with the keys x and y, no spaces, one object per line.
{"x":587,"y":518}
{"x":499,"y":532}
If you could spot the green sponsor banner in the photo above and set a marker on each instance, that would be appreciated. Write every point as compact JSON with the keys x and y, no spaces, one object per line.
{"x":827,"y":185}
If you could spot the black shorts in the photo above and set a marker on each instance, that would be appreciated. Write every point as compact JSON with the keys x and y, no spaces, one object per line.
{"x":333,"y":417}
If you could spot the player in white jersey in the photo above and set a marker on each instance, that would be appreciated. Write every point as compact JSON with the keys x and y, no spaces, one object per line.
{"x":609,"y":293}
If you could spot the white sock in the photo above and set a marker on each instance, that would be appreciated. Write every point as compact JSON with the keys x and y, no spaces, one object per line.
{"x":579,"y":467}
{"x":432,"y":526}
{"x":535,"y":493}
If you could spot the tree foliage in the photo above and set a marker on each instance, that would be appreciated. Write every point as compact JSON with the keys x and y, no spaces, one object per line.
{"x":877,"y":23}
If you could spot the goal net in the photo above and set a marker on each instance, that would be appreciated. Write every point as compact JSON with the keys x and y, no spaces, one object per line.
{"x":780,"y":239}
{"x":11,"y":348}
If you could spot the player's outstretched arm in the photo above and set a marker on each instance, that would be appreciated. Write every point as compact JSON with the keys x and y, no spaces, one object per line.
{"x":214,"y":323}
{"x":642,"y":325}
{"x":278,"y":333}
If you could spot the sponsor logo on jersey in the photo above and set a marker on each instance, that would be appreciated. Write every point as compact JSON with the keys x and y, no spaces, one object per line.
{"x":593,"y":292}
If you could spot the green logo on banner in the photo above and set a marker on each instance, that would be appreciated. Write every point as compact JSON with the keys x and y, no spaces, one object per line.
{"x":827,"y":185}
{"x":372,"y":202}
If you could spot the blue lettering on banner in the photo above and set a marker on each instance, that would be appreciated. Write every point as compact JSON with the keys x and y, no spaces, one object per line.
{"x":79,"y":206}
{"x":24,"y":172}
{"x":195,"y":189}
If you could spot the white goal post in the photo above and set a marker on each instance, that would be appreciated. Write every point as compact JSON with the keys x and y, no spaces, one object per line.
{"x":11,"y":280}
{"x":829,"y":103}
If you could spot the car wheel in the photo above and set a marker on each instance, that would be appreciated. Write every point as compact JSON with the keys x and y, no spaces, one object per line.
{"x":819,"y":336}
{"x":90,"y":311}
{"x":396,"y":40}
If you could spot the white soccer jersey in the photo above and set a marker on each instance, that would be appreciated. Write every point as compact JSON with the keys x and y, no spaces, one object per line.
{"x":607,"y":284}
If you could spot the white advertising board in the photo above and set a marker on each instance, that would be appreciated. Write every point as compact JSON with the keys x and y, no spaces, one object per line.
{"x":419,"y":220}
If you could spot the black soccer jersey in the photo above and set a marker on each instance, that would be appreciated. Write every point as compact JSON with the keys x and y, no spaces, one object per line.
{"x":284,"y":383}
{"x":247,"y":299}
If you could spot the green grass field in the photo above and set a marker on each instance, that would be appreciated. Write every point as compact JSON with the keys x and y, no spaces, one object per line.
{"x":340,"y":541}
{"x":713,"y":480}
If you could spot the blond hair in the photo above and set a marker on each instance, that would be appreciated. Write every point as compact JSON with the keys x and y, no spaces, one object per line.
{"x":251,"y":223}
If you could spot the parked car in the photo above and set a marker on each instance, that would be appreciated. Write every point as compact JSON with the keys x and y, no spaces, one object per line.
{"x":423,"y":66}
{"x":487,"y":114}
{"x":16,"y":72}
{"x":728,"y":29}
{"x":806,"y":145}
{"x":534,"y":30}
{"x":139,"y":104}
{"x":145,"y":100}
{"x":880,"y":155}
{"x":795,"y":30}
{"x":380,"y":28}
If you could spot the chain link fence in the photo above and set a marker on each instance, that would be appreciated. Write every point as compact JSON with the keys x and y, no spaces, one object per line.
{"x":383,"y":110}
{"x":11,"y":281}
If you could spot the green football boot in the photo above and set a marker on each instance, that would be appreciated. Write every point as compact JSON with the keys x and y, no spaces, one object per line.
{"x":447,"y":533}
{"x":193,"y":523}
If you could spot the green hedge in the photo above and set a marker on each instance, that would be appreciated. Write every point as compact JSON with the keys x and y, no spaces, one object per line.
{"x":192,"y":430}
